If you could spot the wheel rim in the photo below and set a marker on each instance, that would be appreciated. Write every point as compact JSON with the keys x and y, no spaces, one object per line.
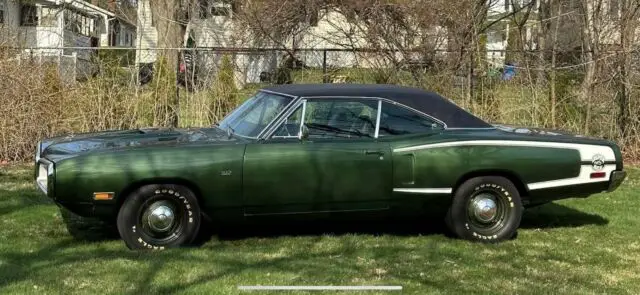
{"x":487,"y":211}
{"x":161,"y":220}
{"x":160,"y":217}
{"x":484,"y":208}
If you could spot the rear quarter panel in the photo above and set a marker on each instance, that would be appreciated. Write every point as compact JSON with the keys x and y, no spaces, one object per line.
{"x":442,"y":167}
{"x":419,"y":163}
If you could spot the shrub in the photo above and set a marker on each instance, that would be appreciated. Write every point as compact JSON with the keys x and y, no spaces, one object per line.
{"x":223,"y":91}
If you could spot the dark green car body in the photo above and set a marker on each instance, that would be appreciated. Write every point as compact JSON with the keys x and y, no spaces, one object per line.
{"x":237,"y":177}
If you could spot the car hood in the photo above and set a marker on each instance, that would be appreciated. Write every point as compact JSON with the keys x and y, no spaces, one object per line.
{"x":121,"y":139}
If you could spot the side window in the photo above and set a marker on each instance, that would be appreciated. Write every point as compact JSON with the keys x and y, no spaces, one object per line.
{"x":341,"y":118}
{"x":397,"y":120}
{"x":291,"y":126}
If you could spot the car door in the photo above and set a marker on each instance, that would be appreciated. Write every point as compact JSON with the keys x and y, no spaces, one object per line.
{"x":337,"y":166}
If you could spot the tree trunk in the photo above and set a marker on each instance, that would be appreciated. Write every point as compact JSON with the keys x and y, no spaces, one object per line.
{"x":590,"y":39}
{"x":552,"y":69}
{"x":170,"y":26}
{"x":543,"y":29}
{"x":627,"y":26}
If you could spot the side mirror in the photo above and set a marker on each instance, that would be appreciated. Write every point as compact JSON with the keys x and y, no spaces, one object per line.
{"x":304,"y":132}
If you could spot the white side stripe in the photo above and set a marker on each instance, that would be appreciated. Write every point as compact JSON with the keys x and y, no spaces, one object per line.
{"x":583,"y":178}
{"x":586,"y":150}
{"x":424,"y":190}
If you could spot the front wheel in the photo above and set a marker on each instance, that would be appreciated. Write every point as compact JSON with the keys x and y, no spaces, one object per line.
{"x":159,"y":216}
{"x":485,"y":209}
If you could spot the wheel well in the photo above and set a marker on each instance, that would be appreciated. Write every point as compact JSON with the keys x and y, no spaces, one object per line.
{"x":135,"y":185}
{"x":511,"y":176}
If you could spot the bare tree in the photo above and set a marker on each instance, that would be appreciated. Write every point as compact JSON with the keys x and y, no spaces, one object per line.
{"x":627,"y":26}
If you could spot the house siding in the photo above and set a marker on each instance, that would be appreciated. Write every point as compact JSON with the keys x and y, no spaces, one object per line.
{"x":147,"y":35}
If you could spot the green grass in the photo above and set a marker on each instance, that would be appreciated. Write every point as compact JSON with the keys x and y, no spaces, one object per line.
{"x":581,"y":246}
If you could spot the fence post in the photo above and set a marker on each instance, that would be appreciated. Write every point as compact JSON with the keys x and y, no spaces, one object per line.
{"x":325,"y":78}
{"x":176,"y":105}
{"x":75,"y":66}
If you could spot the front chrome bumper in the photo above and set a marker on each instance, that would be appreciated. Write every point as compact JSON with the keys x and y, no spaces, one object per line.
{"x":44,"y":174}
{"x":617,"y":177}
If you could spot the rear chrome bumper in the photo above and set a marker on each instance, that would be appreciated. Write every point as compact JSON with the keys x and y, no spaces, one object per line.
{"x":617,"y":177}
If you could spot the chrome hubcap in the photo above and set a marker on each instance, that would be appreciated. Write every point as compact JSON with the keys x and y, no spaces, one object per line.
{"x":484,"y":208}
{"x":160,"y":217}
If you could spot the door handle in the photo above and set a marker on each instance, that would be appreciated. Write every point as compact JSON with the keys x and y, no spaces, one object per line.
{"x":377,"y":153}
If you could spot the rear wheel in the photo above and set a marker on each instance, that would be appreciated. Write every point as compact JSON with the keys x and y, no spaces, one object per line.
{"x":485,"y":209}
{"x":159,"y":216}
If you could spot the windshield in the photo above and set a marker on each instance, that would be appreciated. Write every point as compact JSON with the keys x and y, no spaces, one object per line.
{"x":254,"y":114}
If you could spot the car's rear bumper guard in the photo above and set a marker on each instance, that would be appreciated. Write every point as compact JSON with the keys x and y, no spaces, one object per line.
{"x":617,"y":177}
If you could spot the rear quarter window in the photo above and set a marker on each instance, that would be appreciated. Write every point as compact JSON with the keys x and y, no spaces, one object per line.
{"x":398,"y":120}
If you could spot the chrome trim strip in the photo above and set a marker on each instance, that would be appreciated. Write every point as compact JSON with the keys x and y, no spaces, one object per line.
{"x":277,"y":117}
{"x":444,"y":125}
{"x":272,"y":127}
{"x":378,"y":119}
{"x":472,"y":128}
{"x":277,"y":93}
{"x":312,"y":212}
{"x":444,"y":190}
{"x":586,"y":150}
{"x":304,"y":110}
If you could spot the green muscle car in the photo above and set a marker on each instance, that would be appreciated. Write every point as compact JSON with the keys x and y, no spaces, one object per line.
{"x":319,"y":150}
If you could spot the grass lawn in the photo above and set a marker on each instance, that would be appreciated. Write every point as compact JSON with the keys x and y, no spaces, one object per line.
{"x":581,"y":246}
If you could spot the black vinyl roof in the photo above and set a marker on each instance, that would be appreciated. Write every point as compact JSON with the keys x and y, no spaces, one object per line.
{"x":427,"y":102}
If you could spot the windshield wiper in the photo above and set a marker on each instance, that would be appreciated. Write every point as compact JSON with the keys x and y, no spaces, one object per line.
{"x":336,"y":129}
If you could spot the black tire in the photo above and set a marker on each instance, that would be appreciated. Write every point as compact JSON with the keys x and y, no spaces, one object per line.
{"x":87,"y":229}
{"x":483,"y":224}
{"x":135,"y":220}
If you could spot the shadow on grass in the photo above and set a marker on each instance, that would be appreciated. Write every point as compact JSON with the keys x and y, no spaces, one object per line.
{"x":554,"y":215}
{"x":547,"y":216}
{"x":19,"y":266}
{"x":19,"y":199}
{"x":332,"y":226}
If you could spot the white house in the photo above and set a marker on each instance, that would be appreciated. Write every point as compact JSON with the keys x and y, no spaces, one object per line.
{"x":498,"y":36}
{"x":57,"y":30}
{"x":214,"y":26}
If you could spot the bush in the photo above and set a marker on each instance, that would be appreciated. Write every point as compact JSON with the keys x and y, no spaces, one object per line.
{"x":223,"y":91}
{"x":164,"y":89}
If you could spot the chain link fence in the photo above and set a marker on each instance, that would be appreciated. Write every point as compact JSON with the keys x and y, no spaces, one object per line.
{"x":96,"y":88}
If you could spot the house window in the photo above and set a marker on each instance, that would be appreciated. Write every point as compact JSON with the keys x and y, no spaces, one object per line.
{"x":614,"y":9}
{"x":220,"y":10}
{"x":29,"y":15}
{"x":126,"y":39}
{"x":48,"y":17}
{"x":1,"y":12}
{"x":210,"y":8}
{"x":78,"y":23}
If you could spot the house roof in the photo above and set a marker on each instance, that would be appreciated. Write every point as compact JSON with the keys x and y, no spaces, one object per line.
{"x":91,"y":8}
{"x":427,"y":102}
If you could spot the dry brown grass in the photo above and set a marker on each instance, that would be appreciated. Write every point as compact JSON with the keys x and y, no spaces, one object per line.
{"x":35,"y":103}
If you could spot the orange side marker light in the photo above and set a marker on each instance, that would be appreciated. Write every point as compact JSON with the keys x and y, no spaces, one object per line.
{"x":102,"y":196}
